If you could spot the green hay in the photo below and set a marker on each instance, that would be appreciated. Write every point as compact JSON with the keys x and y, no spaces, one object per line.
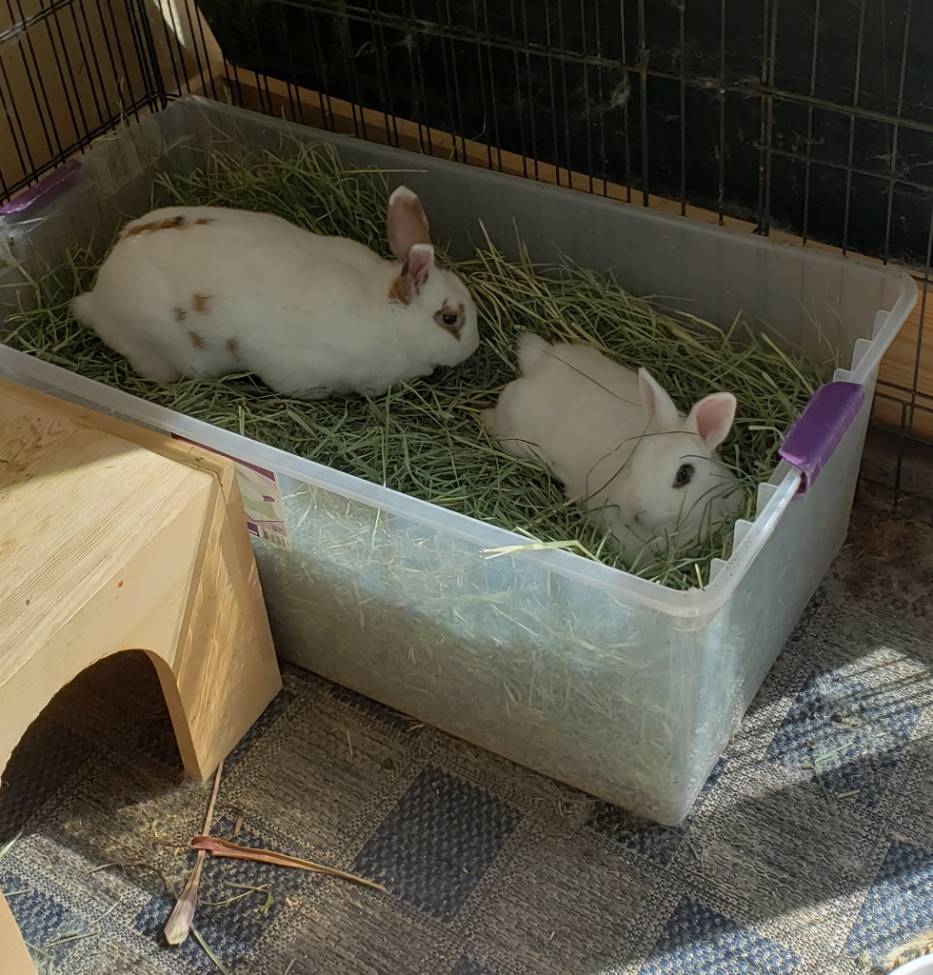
{"x":424,"y":438}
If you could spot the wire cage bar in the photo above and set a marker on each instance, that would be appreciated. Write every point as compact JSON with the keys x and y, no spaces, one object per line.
{"x":810,"y":122}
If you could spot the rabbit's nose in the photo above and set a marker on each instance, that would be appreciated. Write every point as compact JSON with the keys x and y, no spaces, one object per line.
{"x":637,"y":518}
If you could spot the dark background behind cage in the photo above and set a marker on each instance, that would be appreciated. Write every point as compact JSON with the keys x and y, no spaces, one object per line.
{"x":816,"y":115}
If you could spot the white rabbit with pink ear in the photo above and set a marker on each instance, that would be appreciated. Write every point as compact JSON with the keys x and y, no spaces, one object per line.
{"x":618,"y":444}
{"x":189,"y":291}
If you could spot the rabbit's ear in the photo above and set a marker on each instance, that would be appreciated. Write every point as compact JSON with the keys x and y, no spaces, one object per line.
{"x":414,"y":274}
{"x":712,"y":418}
{"x":406,"y":223}
{"x":658,"y":405}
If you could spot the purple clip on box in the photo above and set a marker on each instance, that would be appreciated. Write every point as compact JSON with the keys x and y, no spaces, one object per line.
{"x":810,"y":442}
{"x":45,"y":190}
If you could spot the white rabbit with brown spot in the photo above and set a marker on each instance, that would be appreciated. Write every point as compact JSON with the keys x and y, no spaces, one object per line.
{"x":618,"y":444}
{"x":189,"y":291}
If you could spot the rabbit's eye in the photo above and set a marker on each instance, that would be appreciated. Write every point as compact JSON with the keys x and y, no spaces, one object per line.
{"x":451,"y":320}
{"x":683,"y":476}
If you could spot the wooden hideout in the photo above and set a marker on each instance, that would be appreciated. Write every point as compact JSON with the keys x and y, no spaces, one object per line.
{"x":115,"y":538}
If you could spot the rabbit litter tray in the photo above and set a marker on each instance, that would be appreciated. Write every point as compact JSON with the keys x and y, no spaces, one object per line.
{"x":624,"y":688}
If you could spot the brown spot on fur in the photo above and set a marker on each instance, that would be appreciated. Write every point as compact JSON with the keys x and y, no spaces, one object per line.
{"x":197,"y":340}
{"x":400,"y":289}
{"x":403,"y":288}
{"x":180,"y":314}
{"x":233,"y":346}
{"x":203,"y":220}
{"x":201,"y":303}
{"x":171,"y":223}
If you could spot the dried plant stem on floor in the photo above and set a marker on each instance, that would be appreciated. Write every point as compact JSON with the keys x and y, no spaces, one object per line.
{"x":224,"y":848}
{"x":179,"y":924}
{"x":206,"y":948}
{"x":10,"y":843}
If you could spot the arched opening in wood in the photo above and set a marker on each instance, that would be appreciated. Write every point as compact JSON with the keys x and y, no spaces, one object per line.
{"x":99,"y":753}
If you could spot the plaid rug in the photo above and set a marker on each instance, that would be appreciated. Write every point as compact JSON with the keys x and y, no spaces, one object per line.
{"x":810,"y":850}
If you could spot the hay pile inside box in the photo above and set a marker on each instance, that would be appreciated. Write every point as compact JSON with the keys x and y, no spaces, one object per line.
{"x":424,"y":438}
{"x":626,"y":685}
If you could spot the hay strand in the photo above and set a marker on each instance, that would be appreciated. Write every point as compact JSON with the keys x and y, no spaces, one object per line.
{"x":224,"y":848}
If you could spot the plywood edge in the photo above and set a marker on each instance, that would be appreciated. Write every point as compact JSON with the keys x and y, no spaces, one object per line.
{"x":158,"y":443}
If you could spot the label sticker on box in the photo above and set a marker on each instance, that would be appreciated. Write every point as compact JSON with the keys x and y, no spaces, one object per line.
{"x":262,"y":499}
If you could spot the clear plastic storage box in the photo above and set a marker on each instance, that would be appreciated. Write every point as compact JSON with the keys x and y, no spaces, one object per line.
{"x":621,"y":687}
